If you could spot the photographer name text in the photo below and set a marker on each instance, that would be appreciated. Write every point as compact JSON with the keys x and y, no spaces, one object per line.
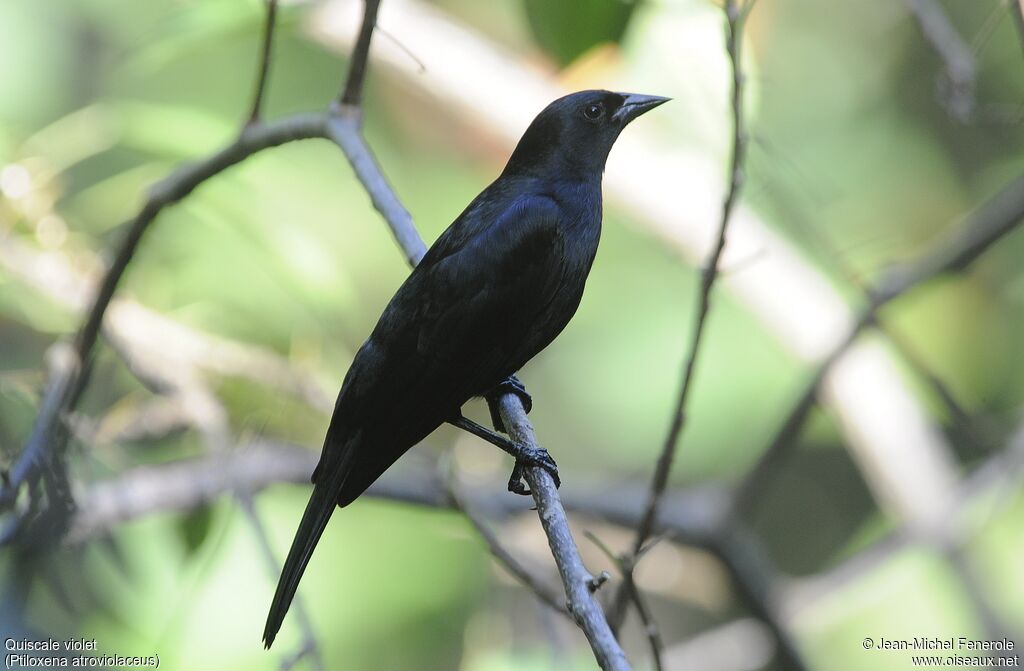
{"x":936,"y":643}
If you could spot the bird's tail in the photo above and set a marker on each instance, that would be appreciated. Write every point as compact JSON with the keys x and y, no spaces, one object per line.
{"x":318,"y":512}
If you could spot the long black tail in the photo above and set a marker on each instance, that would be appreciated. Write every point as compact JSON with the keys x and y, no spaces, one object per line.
{"x":318,"y":512}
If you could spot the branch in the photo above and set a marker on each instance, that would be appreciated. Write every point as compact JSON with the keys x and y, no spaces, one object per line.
{"x":264,"y":64}
{"x":995,"y":218}
{"x":788,"y":295}
{"x":352,"y":95}
{"x":957,"y":59}
{"x":344,"y":130}
{"x":992,"y":481}
{"x":575,"y":578}
{"x":130,"y":324}
{"x":755,"y":578}
{"x":310,"y":646}
{"x":207,"y":415}
{"x":689,"y":516}
{"x":650,"y":625}
{"x":663,"y":468}
{"x":985,"y":226}
{"x":66,"y":383}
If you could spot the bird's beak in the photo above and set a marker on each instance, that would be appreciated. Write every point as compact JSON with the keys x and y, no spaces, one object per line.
{"x":635,"y":105}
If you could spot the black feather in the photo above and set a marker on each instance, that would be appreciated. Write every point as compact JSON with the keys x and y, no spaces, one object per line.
{"x":494,"y":290}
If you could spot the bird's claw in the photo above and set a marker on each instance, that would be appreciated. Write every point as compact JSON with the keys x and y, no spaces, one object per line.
{"x":516,"y":483}
{"x":532,"y":457}
{"x":510,"y":385}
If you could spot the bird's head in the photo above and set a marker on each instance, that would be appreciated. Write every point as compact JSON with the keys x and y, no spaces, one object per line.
{"x":575,"y":133}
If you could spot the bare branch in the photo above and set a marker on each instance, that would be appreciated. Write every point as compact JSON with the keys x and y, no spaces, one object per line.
{"x":985,"y":226}
{"x":128,"y":324}
{"x":310,"y":645}
{"x":709,"y":274}
{"x":344,"y":131}
{"x":958,"y":85}
{"x":263,"y":70}
{"x":756,"y":580}
{"x":650,"y":625}
{"x":994,"y":219}
{"x":64,"y":386}
{"x":183,"y":485}
{"x":575,"y":577}
{"x":352,"y":95}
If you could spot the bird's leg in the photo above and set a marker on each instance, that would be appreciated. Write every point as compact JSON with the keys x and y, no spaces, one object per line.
{"x":525,"y":456}
{"x":510,"y":385}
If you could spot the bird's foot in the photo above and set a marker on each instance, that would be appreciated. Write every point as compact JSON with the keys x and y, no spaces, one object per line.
{"x":531,"y":457}
{"x":526,"y":457}
{"x":510,"y":385}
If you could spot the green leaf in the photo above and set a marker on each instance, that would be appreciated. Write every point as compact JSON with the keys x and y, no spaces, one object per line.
{"x":567,"y":29}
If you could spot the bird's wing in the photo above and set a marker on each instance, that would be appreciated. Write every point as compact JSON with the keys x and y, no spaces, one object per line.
{"x":483,"y":299}
{"x":462,"y":321}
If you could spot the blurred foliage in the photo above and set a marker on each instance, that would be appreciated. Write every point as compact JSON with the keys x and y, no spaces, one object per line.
{"x":567,"y":30}
{"x":853,"y":158}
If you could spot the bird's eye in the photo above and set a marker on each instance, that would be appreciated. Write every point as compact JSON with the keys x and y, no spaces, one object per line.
{"x":592,"y":112}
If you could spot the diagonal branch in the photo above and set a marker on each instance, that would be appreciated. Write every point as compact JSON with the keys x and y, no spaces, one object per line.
{"x":992,"y":220}
{"x":66,"y":383}
{"x":576,"y":579}
{"x":734,"y":15}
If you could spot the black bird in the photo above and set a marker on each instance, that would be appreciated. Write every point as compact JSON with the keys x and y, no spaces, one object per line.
{"x":494,"y":290}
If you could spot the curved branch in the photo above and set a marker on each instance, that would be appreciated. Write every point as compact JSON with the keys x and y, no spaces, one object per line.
{"x":734,"y":15}
{"x":67,"y":380}
{"x":267,"y":43}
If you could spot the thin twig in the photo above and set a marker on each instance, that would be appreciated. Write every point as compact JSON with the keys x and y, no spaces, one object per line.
{"x":756,"y":581}
{"x":992,"y":220}
{"x":208,"y":416}
{"x":958,"y":85}
{"x":710,"y":273}
{"x":263,"y":71}
{"x":310,"y":646}
{"x":184,"y":485}
{"x":785,"y":437}
{"x":352,"y":94}
{"x":63,"y":389}
{"x":650,"y":625}
{"x":818,"y":238}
